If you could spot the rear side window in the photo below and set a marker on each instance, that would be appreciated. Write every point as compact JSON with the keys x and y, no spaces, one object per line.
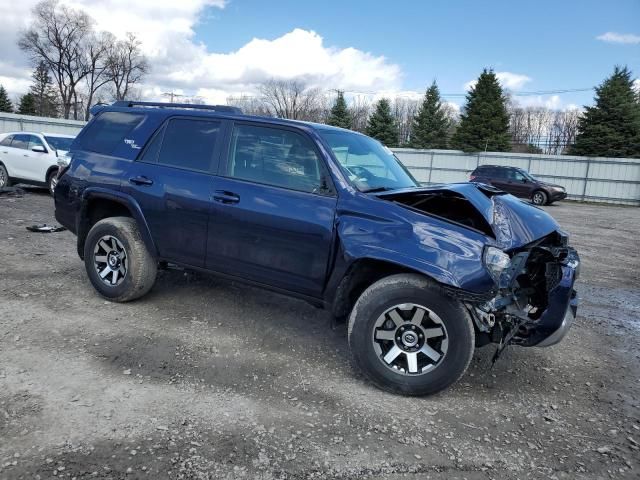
{"x":21,"y":141}
{"x":108,"y":131}
{"x":187,"y":143}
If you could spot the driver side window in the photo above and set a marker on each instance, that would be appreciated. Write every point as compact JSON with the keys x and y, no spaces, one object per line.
{"x":273,"y":156}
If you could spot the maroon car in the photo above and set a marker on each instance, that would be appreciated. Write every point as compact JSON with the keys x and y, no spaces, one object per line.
{"x":518,"y":182}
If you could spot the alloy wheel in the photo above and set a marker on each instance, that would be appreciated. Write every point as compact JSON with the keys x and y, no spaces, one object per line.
{"x":3,"y":177}
{"x":538,"y":198}
{"x":53,"y":182}
{"x":410,"y":339}
{"x":110,"y":260}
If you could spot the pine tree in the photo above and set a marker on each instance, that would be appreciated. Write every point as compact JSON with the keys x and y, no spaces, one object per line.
{"x":484,"y":123}
{"x":611,"y":128}
{"x":430,"y":127}
{"x":27,"y":104}
{"x":44,"y":94}
{"x":382,"y":125}
{"x":340,"y":116}
{"x":5,"y":103}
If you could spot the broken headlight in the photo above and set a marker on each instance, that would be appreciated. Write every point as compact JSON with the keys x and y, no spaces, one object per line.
{"x":496,"y":261}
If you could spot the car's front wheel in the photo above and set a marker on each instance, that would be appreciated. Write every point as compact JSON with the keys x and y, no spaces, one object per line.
{"x":539,"y":198}
{"x":5,"y":181}
{"x":408,"y":337}
{"x":117,"y":261}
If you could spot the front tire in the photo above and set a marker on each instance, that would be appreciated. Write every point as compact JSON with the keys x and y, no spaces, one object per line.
{"x":539,"y":198}
{"x":406,"y":336}
{"x":117,"y":261}
{"x":5,"y":181}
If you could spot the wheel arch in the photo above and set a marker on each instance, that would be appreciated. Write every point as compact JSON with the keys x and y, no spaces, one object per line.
{"x":362,"y":273}
{"x":99,"y":204}
{"x":52,"y":168}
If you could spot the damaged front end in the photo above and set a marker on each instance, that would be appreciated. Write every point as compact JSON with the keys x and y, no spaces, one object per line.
{"x":533,"y":302}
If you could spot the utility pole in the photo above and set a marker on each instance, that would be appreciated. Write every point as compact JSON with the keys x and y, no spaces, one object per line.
{"x":171,"y":95}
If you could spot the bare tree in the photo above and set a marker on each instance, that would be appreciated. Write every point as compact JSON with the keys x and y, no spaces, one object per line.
{"x":292,"y":99}
{"x":57,"y":37}
{"x":98,"y":53}
{"x":127,"y":66}
{"x":541,"y":130}
{"x":360,"y":109}
{"x":250,"y":105}
{"x":404,"y":110}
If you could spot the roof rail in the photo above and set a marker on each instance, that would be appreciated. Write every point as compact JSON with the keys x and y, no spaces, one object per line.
{"x":215,"y":108}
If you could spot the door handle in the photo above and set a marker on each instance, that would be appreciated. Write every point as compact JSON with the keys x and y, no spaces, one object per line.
{"x":226,"y":197}
{"x":141,"y":180}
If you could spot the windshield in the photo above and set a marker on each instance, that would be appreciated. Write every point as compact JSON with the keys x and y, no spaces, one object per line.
{"x":59,"y":143}
{"x":366,"y":162}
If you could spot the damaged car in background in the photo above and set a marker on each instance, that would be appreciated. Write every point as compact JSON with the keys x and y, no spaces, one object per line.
{"x":421,"y":275}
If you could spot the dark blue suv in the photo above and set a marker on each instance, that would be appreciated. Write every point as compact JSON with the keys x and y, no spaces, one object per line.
{"x":422,"y":275}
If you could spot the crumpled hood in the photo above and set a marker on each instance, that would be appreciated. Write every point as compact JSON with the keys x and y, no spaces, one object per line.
{"x":514,"y":223}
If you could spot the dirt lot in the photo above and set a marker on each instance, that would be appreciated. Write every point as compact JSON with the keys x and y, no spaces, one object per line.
{"x":206,"y":379}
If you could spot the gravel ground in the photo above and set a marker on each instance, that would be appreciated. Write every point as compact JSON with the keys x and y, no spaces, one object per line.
{"x":208,"y":379}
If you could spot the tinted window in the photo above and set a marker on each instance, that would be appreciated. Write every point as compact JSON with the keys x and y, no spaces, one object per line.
{"x":108,"y":130}
{"x":500,"y":173}
{"x":274,"y":157}
{"x":21,"y":141}
{"x":150,"y":153}
{"x":7,"y":141}
{"x":189,"y":143}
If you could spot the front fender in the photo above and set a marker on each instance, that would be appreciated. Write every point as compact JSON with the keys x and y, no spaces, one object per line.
{"x":450,"y":254}
{"x":93,"y":193}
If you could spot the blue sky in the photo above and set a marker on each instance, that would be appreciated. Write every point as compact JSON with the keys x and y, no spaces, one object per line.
{"x":552,"y":42}
{"x":214,"y":49}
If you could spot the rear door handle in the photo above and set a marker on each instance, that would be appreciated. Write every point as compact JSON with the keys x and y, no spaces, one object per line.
{"x":141,"y":180}
{"x":226,"y":197}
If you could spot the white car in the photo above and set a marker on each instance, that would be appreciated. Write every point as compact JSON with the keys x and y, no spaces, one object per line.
{"x":33,"y":158}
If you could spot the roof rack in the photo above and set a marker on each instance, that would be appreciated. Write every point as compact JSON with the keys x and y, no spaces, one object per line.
{"x":215,"y":108}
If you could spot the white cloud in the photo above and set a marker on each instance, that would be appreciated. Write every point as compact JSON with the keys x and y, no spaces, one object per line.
{"x":614,"y":37}
{"x":636,"y":84}
{"x":552,"y":102}
{"x":180,"y":63}
{"x":508,"y":80}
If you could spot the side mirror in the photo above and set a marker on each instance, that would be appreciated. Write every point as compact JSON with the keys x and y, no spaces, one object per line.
{"x":524,"y":180}
{"x":39,"y":149}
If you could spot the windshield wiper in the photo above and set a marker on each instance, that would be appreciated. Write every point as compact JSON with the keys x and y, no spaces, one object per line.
{"x":376,"y":189}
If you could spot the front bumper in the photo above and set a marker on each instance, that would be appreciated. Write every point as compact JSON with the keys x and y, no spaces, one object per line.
{"x":558,"y":195}
{"x":560,"y":314}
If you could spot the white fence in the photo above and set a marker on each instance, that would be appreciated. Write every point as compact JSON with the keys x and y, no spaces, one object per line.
{"x":11,"y":122}
{"x":590,"y":179}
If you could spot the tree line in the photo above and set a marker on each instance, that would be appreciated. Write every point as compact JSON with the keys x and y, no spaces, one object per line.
{"x":489,"y":121}
{"x":75,"y":66}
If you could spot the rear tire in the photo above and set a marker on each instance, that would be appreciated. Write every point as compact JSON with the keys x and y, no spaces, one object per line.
{"x":406,"y":336}
{"x":5,"y":181}
{"x":117,"y":261}
{"x":539,"y":198}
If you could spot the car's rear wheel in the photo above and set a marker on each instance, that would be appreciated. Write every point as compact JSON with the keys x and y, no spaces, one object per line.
{"x":5,"y":181}
{"x":52,"y":181}
{"x":408,"y":337}
{"x":539,"y":198}
{"x":117,"y":261}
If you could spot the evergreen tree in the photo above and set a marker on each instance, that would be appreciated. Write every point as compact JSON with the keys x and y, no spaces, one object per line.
{"x":382,"y":125}
{"x":484,"y":123}
{"x":340,"y":116}
{"x":430,"y":127}
{"x":44,"y":94}
{"x":611,"y":128}
{"x":5,"y":103}
{"x":27,"y":104}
